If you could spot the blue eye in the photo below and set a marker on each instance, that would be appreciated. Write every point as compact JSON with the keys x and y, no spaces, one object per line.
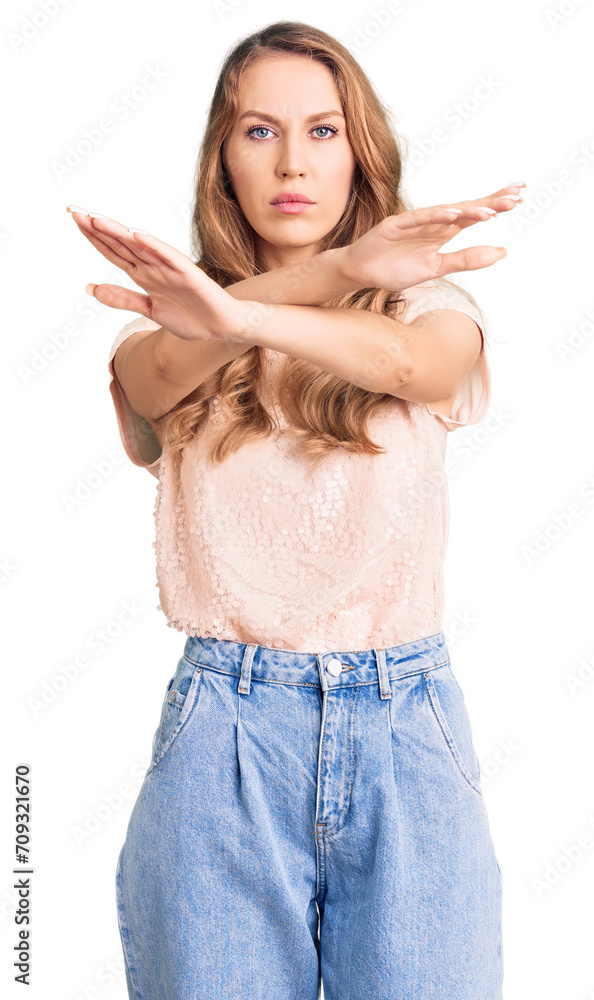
{"x":258,"y":128}
{"x":266,"y":128}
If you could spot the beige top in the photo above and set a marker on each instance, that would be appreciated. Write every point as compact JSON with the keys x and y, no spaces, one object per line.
{"x":262,"y":549}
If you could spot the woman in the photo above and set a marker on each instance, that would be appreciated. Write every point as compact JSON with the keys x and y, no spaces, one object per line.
{"x":313,"y":806}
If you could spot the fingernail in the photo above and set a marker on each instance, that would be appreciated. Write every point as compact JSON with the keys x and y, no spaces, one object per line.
{"x":76,"y":208}
{"x":513,"y":197}
{"x":90,"y":289}
{"x":485,"y":208}
{"x":95,"y":215}
{"x":512,"y":184}
{"x":453,"y":211}
{"x":138,"y":231}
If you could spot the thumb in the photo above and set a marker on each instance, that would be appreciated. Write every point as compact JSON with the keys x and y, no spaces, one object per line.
{"x":119,"y":298}
{"x":470,"y":259}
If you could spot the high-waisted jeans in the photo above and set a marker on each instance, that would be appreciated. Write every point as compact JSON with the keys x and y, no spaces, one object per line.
{"x":311,"y":818}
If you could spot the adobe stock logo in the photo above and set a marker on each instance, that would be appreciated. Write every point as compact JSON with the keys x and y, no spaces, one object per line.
{"x":121,"y":108}
{"x":36,"y":22}
{"x":559,"y":15}
{"x":377,"y":22}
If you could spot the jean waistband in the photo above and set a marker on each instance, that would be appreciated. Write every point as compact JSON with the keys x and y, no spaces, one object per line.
{"x":327,"y":670}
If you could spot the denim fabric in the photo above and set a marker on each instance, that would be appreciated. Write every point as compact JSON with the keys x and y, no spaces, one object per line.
{"x":310,"y":817}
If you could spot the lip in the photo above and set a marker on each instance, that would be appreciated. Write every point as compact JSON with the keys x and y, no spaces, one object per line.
{"x":292,"y":196}
{"x":292,"y":207}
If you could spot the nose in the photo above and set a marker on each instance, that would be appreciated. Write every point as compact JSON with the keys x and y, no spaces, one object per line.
{"x":291,"y":161}
{"x":291,"y":170}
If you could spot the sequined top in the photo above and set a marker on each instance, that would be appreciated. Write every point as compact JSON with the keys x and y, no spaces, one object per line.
{"x":262,"y":549}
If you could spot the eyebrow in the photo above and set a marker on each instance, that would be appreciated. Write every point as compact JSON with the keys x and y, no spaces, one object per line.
{"x":269,"y":118}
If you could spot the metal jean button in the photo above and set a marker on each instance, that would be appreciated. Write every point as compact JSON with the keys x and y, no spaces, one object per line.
{"x":334,"y":667}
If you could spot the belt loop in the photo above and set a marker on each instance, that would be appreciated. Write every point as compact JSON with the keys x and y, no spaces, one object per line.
{"x":382,"y":671}
{"x":322,"y":673}
{"x":246,"y":668}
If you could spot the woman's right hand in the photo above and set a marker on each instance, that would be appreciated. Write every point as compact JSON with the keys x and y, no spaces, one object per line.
{"x":179,"y":295}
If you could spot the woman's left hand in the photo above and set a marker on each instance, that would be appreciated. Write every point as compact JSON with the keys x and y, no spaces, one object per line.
{"x":403,"y":250}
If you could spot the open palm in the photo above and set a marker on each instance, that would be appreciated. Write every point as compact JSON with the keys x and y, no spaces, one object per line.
{"x":179,"y":295}
{"x":403,"y":250}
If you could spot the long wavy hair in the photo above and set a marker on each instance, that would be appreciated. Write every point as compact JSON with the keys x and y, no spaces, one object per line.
{"x":324,"y":412}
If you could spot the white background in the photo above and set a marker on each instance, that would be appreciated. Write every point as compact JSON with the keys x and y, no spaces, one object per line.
{"x":519,"y":593}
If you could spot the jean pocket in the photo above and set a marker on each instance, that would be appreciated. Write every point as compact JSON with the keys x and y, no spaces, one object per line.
{"x":181,"y":697}
{"x":451,"y":715}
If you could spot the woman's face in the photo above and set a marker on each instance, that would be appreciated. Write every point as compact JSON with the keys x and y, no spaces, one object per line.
{"x":294,"y":145}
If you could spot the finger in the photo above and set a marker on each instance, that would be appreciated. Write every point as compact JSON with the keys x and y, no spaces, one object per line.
{"x":128,"y":250}
{"x":112,"y":256}
{"x":150,"y":255}
{"x":147,"y":247}
{"x":85,"y":224}
{"x":435,"y":214}
{"x":514,"y":188}
{"x":479,"y":212}
{"x":469,"y":259}
{"x":121,"y":298}
{"x":502,"y":201}
{"x":441,"y":214}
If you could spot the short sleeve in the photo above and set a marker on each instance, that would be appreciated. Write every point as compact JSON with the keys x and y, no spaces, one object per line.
{"x":138,"y":437}
{"x":474,"y":395}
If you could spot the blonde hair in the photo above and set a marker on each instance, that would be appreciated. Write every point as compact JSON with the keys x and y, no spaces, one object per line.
{"x":324,"y":412}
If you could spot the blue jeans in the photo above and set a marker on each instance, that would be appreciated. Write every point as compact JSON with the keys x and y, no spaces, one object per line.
{"x":311,"y":817}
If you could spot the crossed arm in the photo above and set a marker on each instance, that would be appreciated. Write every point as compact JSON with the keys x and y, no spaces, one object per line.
{"x":423,"y":361}
{"x":283,"y":310}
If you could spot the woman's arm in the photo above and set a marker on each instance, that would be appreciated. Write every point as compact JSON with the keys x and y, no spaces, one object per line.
{"x":311,"y":282}
{"x":390,"y":255}
{"x":202,"y":326}
{"x":422,"y":361}
{"x":399,"y":252}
